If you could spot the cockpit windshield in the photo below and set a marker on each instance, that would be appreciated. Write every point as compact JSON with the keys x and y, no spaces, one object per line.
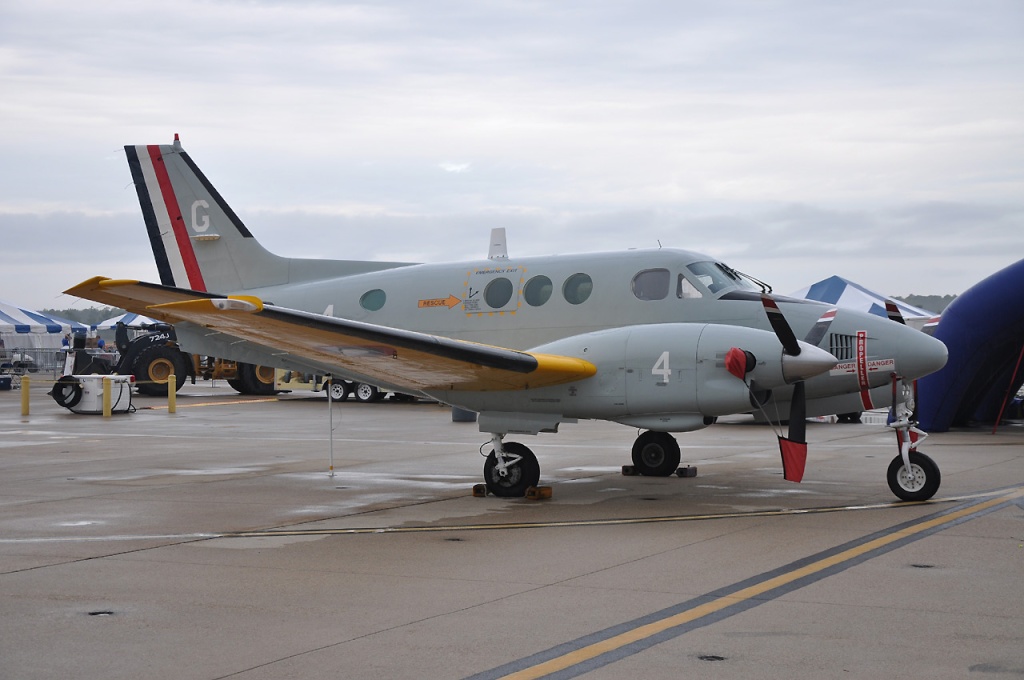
{"x":717,"y":277}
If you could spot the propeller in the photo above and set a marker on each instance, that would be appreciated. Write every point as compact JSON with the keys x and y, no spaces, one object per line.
{"x":782,"y":329}
{"x":794,"y":447}
{"x":893,"y":312}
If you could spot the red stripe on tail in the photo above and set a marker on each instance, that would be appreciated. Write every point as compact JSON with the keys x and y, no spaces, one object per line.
{"x":188,"y":256}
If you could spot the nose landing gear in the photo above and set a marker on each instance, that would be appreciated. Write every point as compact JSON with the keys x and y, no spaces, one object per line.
{"x":912,"y":475}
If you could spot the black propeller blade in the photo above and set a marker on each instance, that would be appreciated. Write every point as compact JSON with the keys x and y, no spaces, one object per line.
{"x":781,"y":327}
{"x":798,"y":414}
{"x":894,"y":313}
{"x":819,"y":329}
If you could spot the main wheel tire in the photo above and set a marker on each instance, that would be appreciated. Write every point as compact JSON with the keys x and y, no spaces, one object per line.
{"x":367,"y":393}
{"x":919,"y":483}
{"x":656,"y":454}
{"x":521,"y":475}
{"x":237,"y":385}
{"x":337,"y":390}
{"x":154,"y":366}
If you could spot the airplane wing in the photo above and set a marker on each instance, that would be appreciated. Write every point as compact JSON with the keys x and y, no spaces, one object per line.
{"x":418,"y":361}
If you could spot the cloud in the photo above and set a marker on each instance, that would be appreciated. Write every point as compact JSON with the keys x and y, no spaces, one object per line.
{"x":886,"y":137}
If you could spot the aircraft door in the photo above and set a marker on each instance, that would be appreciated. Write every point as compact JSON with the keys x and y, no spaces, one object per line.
{"x":493,"y":291}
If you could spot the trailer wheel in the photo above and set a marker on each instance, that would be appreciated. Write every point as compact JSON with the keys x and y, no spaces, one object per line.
{"x":153,"y":368}
{"x":257,"y":379}
{"x":367,"y":393}
{"x":337,"y":390}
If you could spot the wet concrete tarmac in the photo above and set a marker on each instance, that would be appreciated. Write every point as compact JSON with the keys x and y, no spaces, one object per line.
{"x":213,"y":543}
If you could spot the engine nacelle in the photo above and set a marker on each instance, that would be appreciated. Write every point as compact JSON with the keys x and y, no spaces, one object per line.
{"x":670,"y":377}
{"x":674,"y":368}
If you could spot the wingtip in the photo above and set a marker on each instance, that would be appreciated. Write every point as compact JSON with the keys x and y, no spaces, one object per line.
{"x":88,"y":284}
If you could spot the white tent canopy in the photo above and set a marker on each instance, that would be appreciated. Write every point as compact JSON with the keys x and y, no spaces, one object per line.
{"x":128,"y":319}
{"x":21,"y":327}
{"x":841,"y":292}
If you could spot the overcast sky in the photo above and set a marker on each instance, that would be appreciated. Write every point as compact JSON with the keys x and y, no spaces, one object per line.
{"x":880,"y":141}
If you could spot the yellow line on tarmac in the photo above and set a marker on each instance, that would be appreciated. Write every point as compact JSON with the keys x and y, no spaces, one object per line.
{"x":645,"y":631}
{"x":612,"y":521}
{"x":210,"y":403}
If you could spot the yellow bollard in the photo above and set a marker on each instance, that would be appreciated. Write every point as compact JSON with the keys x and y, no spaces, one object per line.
{"x":106,"y":397}
{"x":172,"y":393}
{"x":26,"y":383}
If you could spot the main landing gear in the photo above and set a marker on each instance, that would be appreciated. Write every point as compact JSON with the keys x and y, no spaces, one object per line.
{"x":511,"y":468}
{"x":655,"y":454}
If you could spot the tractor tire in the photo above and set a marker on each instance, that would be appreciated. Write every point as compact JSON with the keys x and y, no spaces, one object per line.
{"x":154,"y":366}
{"x":257,"y":379}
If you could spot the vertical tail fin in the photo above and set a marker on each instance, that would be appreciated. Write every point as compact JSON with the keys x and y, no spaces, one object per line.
{"x":197,"y":239}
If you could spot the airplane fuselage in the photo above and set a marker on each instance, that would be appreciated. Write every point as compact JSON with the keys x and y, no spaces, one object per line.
{"x":524,"y":303}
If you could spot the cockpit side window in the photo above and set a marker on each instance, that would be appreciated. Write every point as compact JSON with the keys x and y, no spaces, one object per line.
{"x":651,"y":284}
{"x":685,"y":289}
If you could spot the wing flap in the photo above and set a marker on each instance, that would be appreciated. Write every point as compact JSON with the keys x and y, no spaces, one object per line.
{"x":417,"y":361}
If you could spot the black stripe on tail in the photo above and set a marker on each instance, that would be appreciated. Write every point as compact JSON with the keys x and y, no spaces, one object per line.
{"x":163,"y":266}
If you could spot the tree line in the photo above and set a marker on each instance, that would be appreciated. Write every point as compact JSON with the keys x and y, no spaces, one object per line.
{"x":87,"y":316}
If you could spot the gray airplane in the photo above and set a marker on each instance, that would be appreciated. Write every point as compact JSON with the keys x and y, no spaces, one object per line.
{"x":662,"y":340}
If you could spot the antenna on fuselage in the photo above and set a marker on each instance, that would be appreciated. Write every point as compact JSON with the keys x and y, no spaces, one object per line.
{"x":498,"y":249}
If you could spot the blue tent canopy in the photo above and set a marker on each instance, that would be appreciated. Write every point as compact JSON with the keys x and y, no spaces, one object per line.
{"x":15,"y":319}
{"x":841,"y":292}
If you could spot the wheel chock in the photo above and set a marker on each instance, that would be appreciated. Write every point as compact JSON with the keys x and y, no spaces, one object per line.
{"x":630,"y":471}
{"x":538,"y":493}
{"x":688,"y":471}
{"x":479,"y":490}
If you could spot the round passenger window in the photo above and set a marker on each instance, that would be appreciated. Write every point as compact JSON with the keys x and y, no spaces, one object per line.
{"x":537,"y":291}
{"x":577,"y":288}
{"x":651,"y":284}
{"x":497,"y":293}
{"x":372,"y":300}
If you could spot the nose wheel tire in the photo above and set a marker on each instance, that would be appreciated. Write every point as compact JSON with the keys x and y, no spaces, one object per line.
{"x":919,"y":482}
{"x":656,"y":454}
{"x":519,"y":476}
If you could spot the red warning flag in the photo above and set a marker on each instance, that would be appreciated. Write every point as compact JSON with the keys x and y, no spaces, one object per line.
{"x":794,"y":458}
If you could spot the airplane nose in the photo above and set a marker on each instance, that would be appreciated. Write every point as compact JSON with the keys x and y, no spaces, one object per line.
{"x":922,"y":354}
{"x":810,"y":362}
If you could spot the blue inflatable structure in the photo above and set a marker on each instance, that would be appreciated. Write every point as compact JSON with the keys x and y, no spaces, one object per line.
{"x":983,"y":330}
